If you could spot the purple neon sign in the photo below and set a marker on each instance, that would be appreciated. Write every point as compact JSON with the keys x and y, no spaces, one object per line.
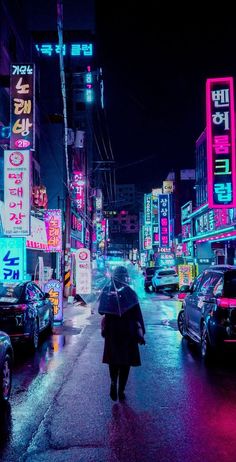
{"x":221,"y":143}
{"x":164,"y":220}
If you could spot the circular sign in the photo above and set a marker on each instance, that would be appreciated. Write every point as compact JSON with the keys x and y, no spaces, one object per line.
{"x":16,"y":158}
{"x":83,"y":255}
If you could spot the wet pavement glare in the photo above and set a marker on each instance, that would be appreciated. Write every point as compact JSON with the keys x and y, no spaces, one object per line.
{"x":177,"y":406}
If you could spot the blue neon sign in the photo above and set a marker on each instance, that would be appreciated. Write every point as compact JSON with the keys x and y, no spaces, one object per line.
{"x":72,"y":49}
{"x":12,"y":259}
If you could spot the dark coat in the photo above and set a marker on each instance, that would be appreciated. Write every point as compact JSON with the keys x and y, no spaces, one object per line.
{"x":121,"y":345}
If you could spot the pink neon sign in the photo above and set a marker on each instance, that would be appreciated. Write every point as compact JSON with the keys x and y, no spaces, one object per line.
{"x":53,"y":223}
{"x":221,"y":166}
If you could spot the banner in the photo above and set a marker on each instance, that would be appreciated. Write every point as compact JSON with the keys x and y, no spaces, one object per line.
{"x":17,"y":192}
{"x":164,"y":220}
{"x":53,"y":223}
{"x":55,"y":290}
{"x":221,"y":163}
{"x":83,"y":272}
{"x":12,"y":259}
{"x":22,"y":95}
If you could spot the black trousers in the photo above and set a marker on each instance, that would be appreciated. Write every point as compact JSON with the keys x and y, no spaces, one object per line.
{"x":119,"y":371}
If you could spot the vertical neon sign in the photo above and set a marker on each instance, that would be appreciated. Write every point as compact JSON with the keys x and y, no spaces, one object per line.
{"x":221,"y":143}
{"x":164,"y":220}
{"x":22,"y":92}
{"x":147,"y":237}
{"x":148,"y":208}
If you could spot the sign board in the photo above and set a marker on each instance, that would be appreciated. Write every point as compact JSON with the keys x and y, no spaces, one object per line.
{"x":53,"y":222}
{"x":221,"y":165}
{"x":186,"y":210}
{"x":148,"y":208}
{"x":17,"y":192}
{"x":12,"y":259}
{"x":55,"y":290}
{"x":82,"y":49}
{"x":186,"y":274}
{"x":83,"y":272}
{"x":22,"y":94}
{"x":147,"y":237}
{"x":164,"y":220}
{"x":168,"y":186}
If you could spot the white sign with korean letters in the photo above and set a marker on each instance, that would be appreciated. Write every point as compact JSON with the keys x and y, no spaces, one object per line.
{"x":83,"y":271}
{"x":17,"y":192}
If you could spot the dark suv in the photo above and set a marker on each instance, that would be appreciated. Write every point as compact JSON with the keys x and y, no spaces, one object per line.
{"x":148,"y":275}
{"x":208,"y":316}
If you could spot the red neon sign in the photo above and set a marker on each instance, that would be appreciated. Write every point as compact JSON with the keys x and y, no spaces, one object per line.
{"x":221,"y":143}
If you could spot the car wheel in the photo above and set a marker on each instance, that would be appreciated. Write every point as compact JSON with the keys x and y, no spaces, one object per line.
{"x":5,"y":378}
{"x":206,"y":349}
{"x":181,"y":321}
{"x":35,"y":335}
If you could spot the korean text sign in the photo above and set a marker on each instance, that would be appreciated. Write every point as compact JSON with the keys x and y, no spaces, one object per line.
{"x":186,"y":274}
{"x":78,"y":189}
{"x":55,"y":291}
{"x":53,"y":222}
{"x":147,"y":237}
{"x":83,"y":271}
{"x":164,"y":220}
{"x":12,"y":259}
{"x":221,"y":164}
{"x":22,"y":106}
{"x":148,"y":208}
{"x":17,"y":192}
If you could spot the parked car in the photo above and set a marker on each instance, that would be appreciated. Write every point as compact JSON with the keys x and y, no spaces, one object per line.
{"x":6,"y":358}
{"x":25,"y":311}
{"x":165,"y":278}
{"x":148,"y":275}
{"x":208,"y":316}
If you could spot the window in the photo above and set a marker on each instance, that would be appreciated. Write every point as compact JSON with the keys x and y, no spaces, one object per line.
{"x":230,"y":284}
{"x":33,"y":293}
{"x":166,"y":273}
{"x":197,"y":282}
{"x":209,"y":282}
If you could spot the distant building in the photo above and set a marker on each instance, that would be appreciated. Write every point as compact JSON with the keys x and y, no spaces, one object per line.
{"x":125,"y":196}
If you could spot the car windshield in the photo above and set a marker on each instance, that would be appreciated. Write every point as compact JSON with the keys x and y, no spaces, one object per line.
{"x":230,"y":284}
{"x":166,"y":273}
{"x":10,"y":293}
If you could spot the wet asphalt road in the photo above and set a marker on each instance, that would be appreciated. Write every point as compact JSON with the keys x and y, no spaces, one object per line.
{"x":177,"y":407}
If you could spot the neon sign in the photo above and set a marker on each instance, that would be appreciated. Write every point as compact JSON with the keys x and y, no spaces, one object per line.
{"x":147,"y":237}
{"x":78,"y":189}
{"x":22,"y":106}
{"x":164,"y":220}
{"x":55,"y":290}
{"x":53,"y":222}
{"x":17,"y":192}
{"x":12,"y":259}
{"x":221,"y":143}
{"x":72,"y":49}
{"x":148,"y":208}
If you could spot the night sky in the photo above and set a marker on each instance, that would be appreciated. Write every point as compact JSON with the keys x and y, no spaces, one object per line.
{"x":155,"y":63}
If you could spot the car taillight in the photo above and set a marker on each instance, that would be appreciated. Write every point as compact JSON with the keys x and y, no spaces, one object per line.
{"x":223,"y":302}
{"x":181,"y":296}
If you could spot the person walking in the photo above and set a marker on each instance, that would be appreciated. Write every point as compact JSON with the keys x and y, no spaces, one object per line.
{"x":122,"y":328}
